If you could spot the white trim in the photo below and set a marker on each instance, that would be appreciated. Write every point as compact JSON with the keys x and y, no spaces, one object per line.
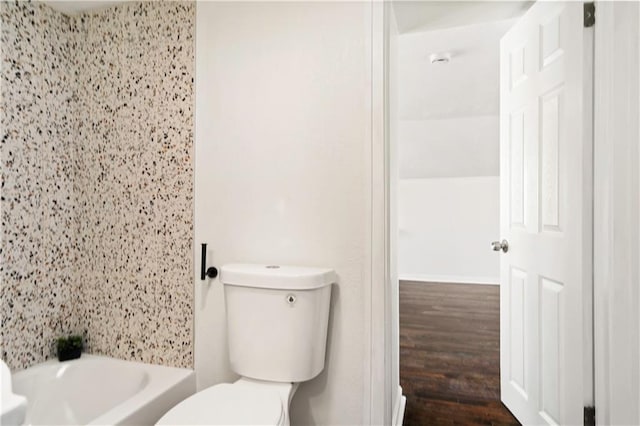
{"x":368,"y":377}
{"x":378,"y":391}
{"x":399,"y":406}
{"x":616,"y":199}
{"x":587,"y":224}
{"x":450,"y":279}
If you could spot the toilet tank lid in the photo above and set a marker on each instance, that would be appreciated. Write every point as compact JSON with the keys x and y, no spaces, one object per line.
{"x":276,"y":276}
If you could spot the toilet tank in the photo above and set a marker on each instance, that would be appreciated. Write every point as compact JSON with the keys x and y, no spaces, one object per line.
{"x":277,"y":320}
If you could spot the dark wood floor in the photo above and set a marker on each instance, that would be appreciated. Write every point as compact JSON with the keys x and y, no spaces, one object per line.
{"x":450,"y":354}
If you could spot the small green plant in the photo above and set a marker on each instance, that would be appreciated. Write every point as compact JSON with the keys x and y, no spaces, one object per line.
{"x":69,"y":347}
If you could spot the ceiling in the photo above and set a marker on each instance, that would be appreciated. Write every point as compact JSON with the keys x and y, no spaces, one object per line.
{"x":76,"y":7}
{"x":468,"y":85}
{"x":422,"y":15}
{"x":448,"y":113}
{"x":411,"y":16}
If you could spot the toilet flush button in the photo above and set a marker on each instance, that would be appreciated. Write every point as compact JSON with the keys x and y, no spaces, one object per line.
{"x":291,"y":299}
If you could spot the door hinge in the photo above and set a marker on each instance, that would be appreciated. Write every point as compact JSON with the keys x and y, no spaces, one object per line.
{"x":589,"y":14}
{"x":589,"y":416}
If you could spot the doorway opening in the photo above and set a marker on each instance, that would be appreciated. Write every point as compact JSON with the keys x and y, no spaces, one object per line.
{"x":543,"y":94}
{"x":444,"y":97}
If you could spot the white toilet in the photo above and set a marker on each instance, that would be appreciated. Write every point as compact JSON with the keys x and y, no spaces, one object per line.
{"x":277,"y":319}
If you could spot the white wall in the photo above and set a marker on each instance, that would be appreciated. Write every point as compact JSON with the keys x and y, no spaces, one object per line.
{"x":445,"y":229}
{"x":449,"y":147}
{"x":283,"y":122}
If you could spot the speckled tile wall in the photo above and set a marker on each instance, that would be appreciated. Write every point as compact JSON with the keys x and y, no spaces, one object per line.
{"x":130,"y":182}
{"x":38,"y":291}
{"x":135,"y":181}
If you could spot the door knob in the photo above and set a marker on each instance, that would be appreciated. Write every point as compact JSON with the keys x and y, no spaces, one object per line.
{"x":500,"y":245}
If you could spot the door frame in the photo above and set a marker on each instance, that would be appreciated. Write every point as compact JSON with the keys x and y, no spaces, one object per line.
{"x":616,"y":216}
{"x":379,"y":391}
{"x":382,"y":396}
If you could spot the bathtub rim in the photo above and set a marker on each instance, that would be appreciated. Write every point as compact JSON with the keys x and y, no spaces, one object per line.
{"x":155,"y":396}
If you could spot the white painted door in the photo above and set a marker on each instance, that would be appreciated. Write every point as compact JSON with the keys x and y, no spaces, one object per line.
{"x":546,"y":192}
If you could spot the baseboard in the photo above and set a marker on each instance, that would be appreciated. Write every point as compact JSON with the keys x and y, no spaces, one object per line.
{"x":450,"y":279}
{"x":398,"y":408}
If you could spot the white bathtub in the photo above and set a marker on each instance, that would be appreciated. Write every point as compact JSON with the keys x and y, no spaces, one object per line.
{"x":98,"y":390}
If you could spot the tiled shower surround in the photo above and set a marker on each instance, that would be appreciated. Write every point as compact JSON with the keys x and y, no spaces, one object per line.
{"x":39,"y":290}
{"x":97,"y":181}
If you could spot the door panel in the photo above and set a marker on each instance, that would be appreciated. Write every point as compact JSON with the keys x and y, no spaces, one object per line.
{"x":545,"y":214}
{"x":550,"y":345}
{"x":517,"y":168}
{"x":518,"y":347}
{"x":550,"y":106}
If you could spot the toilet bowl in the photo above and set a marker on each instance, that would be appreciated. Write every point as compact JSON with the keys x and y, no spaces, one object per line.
{"x":245,"y":402}
{"x":277,"y":320}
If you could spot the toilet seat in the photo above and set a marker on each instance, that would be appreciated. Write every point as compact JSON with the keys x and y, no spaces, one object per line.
{"x":228,"y":404}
